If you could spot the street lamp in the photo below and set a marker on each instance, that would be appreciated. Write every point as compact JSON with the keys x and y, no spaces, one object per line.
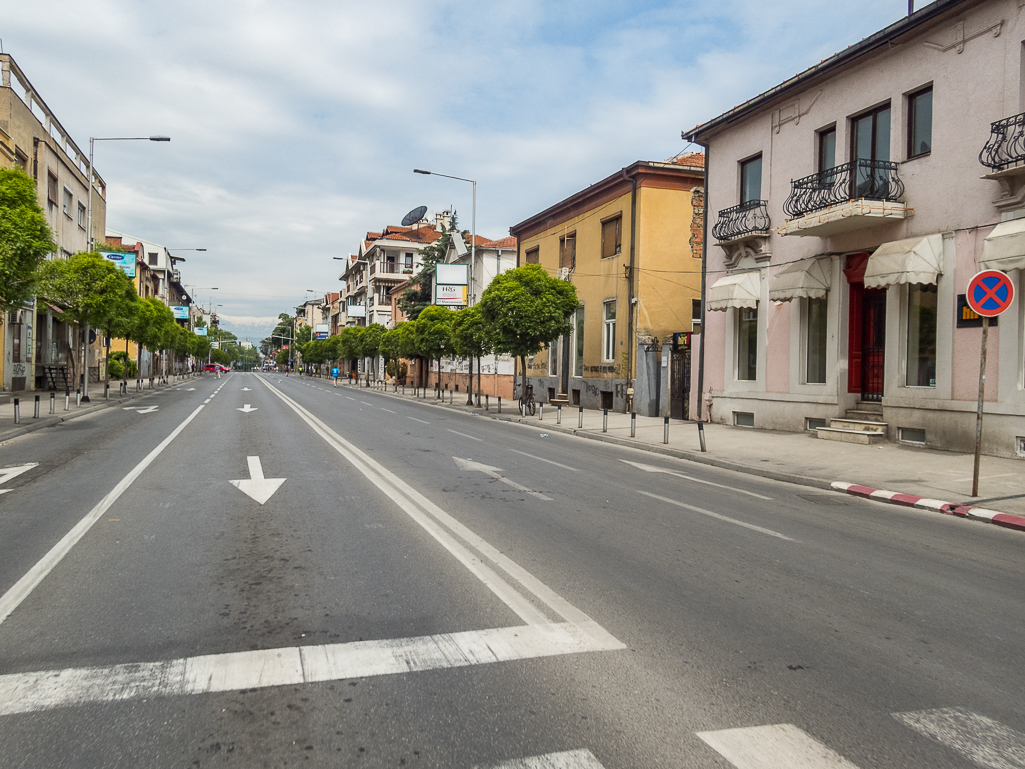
{"x":89,"y":226}
{"x":473,"y":221}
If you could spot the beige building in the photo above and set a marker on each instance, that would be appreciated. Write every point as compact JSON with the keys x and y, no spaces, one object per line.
{"x":39,"y":351}
{"x":631,"y":244}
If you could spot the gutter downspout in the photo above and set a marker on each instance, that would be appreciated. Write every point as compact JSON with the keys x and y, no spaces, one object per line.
{"x":630,"y":361}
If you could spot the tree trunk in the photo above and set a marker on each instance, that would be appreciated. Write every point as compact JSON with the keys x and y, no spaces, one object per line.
{"x":469,"y":386}
{"x":523,"y":377}
{"x":478,"y":381}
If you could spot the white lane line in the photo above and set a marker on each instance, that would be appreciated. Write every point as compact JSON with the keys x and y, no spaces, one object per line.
{"x":464,"y":435}
{"x":388,"y":410}
{"x":717,"y":516}
{"x":780,"y":746}
{"x":350,"y":397}
{"x":469,"y":465}
{"x":366,"y":404}
{"x":444,"y":528}
{"x":570,"y":759}
{"x":542,"y":459}
{"x":289,"y":666}
{"x":982,"y":740}
{"x":419,"y":420}
{"x":655,"y":469}
{"x":21,"y":589}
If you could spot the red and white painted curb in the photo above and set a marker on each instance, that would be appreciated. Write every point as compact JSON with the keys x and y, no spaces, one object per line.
{"x":924,"y":503}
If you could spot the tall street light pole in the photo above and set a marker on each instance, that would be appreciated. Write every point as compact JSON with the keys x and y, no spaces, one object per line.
{"x":89,"y":228}
{"x":473,"y":223}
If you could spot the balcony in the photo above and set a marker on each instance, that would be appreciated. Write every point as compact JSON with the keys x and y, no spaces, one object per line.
{"x":390,"y":270}
{"x":862,"y":193}
{"x":1004,"y":155}
{"x":744,"y":231}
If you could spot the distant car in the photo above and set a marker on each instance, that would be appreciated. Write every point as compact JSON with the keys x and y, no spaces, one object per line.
{"x":209,"y":367}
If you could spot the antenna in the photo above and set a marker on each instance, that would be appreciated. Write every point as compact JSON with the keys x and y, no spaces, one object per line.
{"x":414,"y":216}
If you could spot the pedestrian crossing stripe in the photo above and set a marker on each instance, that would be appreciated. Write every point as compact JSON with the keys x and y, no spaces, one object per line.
{"x":779,"y":746}
{"x":981,"y":740}
{"x":570,"y":759}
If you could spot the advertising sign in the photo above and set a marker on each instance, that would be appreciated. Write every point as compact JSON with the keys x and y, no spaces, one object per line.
{"x":215,"y":345}
{"x":320,"y":331}
{"x":356,"y":310}
{"x":450,"y":296}
{"x":180,"y":313}
{"x":200,"y":330}
{"x":125,"y":261}
{"x":451,"y":274}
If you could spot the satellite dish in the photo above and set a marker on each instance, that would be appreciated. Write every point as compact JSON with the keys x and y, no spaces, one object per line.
{"x":414,"y":216}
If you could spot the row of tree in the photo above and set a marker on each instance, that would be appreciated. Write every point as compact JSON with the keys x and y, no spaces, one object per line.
{"x":519,"y":313}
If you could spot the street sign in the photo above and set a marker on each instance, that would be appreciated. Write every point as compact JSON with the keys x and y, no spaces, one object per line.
{"x":990,"y":292}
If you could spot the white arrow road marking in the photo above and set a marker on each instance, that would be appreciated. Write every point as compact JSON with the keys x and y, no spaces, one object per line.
{"x":476,"y":467}
{"x":246,"y":390}
{"x":717,"y":516}
{"x":247,"y":409}
{"x":8,"y":473}
{"x":259,"y":488}
{"x":191,"y":389}
{"x":653,"y":469}
{"x":148,"y":410}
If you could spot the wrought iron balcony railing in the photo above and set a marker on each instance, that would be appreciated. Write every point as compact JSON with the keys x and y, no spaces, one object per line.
{"x":741,"y":220}
{"x":870,"y":179}
{"x":1006,"y":145}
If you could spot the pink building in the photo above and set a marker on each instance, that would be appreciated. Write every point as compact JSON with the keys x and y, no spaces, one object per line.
{"x":849,"y":208}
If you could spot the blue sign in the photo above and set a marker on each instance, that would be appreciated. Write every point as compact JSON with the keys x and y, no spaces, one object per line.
{"x":125,"y":261}
{"x":180,"y":313}
{"x":200,"y":330}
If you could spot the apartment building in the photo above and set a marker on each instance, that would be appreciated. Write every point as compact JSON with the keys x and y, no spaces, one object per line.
{"x":852,"y":204}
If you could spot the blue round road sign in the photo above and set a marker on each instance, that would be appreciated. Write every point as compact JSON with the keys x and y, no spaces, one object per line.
{"x":990,"y":292}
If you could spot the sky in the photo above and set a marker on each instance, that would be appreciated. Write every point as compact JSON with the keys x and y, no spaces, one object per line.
{"x":295,"y":126}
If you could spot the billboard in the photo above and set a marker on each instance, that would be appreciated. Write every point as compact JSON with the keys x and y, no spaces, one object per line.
{"x":125,"y":261}
{"x":180,"y":313}
{"x":215,"y":345}
{"x":200,"y":330}
{"x":450,"y":281}
{"x":356,"y":310}
{"x":450,"y":296}
{"x":320,"y":331}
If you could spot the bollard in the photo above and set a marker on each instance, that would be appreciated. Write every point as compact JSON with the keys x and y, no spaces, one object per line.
{"x":35,"y":414}
{"x":67,"y":400}
{"x":580,"y":418}
{"x":17,"y":412}
{"x":633,"y":424}
{"x":558,"y":414}
{"x":106,"y":391}
{"x":605,"y":420}
{"x":78,"y":398}
{"x":541,"y":412}
{"x":665,"y":438}
{"x":451,"y":397}
{"x":486,"y":404}
{"x":701,"y":435}
{"x":53,"y":403}
{"x":499,"y":404}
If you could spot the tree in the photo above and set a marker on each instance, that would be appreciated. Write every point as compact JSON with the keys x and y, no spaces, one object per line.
{"x":25,"y":238}
{"x":471,"y":338}
{"x":390,"y":346}
{"x":370,"y":344}
{"x":349,"y":344}
{"x":527,"y":308}
{"x":420,"y":294}
{"x":152,"y":326}
{"x":406,"y":345}
{"x":434,"y":335}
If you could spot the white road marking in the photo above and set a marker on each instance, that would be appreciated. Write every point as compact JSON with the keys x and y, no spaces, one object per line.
{"x":148,"y":410}
{"x":21,"y":589}
{"x":259,"y":488}
{"x":246,"y":390}
{"x":654,"y":469}
{"x":780,"y":746}
{"x":10,"y":473}
{"x":717,"y":516}
{"x":419,"y":420}
{"x":464,"y":435}
{"x":290,"y":666}
{"x":570,"y":759}
{"x":366,"y":404}
{"x":350,"y":397}
{"x":477,"y":467}
{"x":542,"y":459}
{"x":982,"y":740}
{"x":388,"y":410}
{"x":247,"y":409}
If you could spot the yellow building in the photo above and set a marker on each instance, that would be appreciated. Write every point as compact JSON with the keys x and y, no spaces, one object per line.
{"x":631,"y":244}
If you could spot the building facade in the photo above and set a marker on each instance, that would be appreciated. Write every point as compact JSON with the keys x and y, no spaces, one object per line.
{"x":851,"y":206}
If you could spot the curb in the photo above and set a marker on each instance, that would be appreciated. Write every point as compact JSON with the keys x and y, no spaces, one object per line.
{"x":1006,"y":520}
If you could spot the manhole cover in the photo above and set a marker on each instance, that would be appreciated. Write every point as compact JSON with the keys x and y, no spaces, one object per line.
{"x":824,"y":499}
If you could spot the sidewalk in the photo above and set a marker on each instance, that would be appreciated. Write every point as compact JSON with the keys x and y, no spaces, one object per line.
{"x":940,"y":477}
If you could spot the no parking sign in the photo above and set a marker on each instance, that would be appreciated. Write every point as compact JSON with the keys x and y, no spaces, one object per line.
{"x":990,"y":292}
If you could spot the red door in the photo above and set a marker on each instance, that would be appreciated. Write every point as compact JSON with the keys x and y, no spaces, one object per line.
{"x":867,"y":333}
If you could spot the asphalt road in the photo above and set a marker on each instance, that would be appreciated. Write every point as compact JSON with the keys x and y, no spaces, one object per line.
{"x":427,"y":588}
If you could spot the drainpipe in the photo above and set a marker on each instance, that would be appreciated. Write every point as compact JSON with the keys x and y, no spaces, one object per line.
{"x":630,"y":362}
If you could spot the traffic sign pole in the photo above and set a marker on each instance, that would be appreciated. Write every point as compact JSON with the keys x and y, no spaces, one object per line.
{"x":978,"y":414}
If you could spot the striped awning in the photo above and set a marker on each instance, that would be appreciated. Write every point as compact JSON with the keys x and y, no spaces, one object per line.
{"x":807,"y":279}
{"x":742,"y":289}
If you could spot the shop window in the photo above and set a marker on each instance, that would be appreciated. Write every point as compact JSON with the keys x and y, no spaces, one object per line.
{"x":747,"y":344}
{"x":921,"y":336}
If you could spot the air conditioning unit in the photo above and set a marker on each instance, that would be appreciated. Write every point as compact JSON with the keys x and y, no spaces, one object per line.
{"x":564,"y":273}
{"x":14,"y":316}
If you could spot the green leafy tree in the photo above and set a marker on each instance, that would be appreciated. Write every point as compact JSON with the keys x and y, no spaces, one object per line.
{"x":281,"y":358}
{"x":390,"y":346}
{"x":370,"y":344}
{"x":471,"y":338}
{"x":25,"y":238}
{"x":434,"y":335}
{"x":153,"y":323}
{"x":526,"y":308}
{"x":406,"y":345}
{"x":349,"y":344}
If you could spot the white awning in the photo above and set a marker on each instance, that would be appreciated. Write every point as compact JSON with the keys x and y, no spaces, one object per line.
{"x":912,"y":260}
{"x":1004,"y":248}
{"x":808,"y":278}
{"x":740,"y":290}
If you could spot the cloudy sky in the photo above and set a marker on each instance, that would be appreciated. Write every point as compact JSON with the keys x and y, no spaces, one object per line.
{"x":295,"y":125}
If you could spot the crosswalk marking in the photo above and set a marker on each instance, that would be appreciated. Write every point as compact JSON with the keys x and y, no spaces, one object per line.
{"x":570,"y":759}
{"x":779,"y":746}
{"x":982,"y":740}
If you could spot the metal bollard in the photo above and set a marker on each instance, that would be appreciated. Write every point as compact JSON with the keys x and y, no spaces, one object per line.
{"x":17,"y":412}
{"x":665,"y":438}
{"x":541,"y":412}
{"x":106,"y":391}
{"x":499,"y":404}
{"x":605,"y":420}
{"x":35,"y":414}
{"x":701,"y":435}
{"x":67,"y":400}
{"x":486,"y":404}
{"x":633,"y":424}
{"x":53,"y":403}
{"x":558,"y":414}
{"x":78,"y":397}
{"x":580,"y":418}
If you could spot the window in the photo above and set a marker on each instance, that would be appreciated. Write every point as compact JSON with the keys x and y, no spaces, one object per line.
{"x":81,"y":214}
{"x":747,"y":344}
{"x":921,"y":336}
{"x":568,"y":251}
{"x":695,"y":314}
{"x":609,"y":348}
{"x":751,"y":180}
{"x":51,"y":188}
{"x":69,"y":202}
{"x":612,"y":236}
{"x":815,"y":341}
{"x":827,"y":149}
{"x":152,"y":255}
{"x":920,"y":123}
{"x":533,"y":256}
{"x":870,"y":137}
{"x":578,"y":332}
